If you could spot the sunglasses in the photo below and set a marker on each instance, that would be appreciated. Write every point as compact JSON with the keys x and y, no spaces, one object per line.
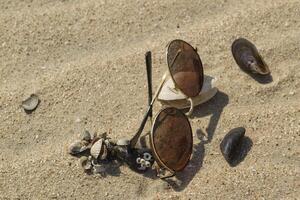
{"x":171,"y":138}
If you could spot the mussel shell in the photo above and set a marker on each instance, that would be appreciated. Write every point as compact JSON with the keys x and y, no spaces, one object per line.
{"x":77,"y":147}
{"x":245,"y":52}
{"x":31,"y":102}
{"x":231,"y":144}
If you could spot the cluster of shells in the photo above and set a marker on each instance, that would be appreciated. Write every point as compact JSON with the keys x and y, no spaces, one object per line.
{"x":94,"y":150}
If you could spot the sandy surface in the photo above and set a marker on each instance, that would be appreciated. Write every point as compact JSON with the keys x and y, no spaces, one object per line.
{"x":85,"y":60}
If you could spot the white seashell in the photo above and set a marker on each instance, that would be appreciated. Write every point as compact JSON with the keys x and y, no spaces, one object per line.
{"x":96,"y":148}
{"x":147,"y":156}
{"x":31,"y":102}
{"x":138,"y":160}
{"x":147,"y":164}
{"x":171,"y":96}
{"x":85,"y":163}
{"x":123,"y":142}
{"x":77,"y":147}
{"x":143,"y":162}
{"x":86,"y":136}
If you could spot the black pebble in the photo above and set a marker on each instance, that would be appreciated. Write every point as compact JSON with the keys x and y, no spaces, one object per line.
{"x":231,"y":144}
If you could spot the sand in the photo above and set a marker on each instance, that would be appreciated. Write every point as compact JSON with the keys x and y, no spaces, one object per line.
{"x":85,"y":60}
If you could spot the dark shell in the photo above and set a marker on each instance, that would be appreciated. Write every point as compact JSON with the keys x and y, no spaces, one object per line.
{"x":247,"y":57}
{"x":231,"y":144}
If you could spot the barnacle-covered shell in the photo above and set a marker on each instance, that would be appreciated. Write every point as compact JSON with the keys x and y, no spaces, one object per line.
{"x":123,"y":142}
{"x":77,"y":147}
{"x":230,"y":146}
{"x":31,"y":102}
{"x":85,"y":163}
{"x":86,"y":136}
{"x":96,"y":148}
{"x":247,"y":57}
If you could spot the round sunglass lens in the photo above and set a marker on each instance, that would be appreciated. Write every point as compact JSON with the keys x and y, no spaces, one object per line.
{"x":185,"y":67}
{"x":172,"y":138}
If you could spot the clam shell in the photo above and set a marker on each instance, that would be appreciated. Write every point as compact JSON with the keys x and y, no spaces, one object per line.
{"x":85,"y":163}
{"x":86,"y":136}
{"x":30,"y":103}
{"x":96,"y":148}
{"x":123,"y":142}
{"x":247,"y":57}
{"x":77,"y":147}
{"x":230,"y":145}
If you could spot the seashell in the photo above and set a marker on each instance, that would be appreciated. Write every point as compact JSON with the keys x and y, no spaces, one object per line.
{"x":77,"y":147}
{"x":147,"y":164}
{"x":86,"y":136}
{"x":96,"y":148}
{"x":247,"y":57}
{"x":31,"y":103}
{"x":123,"y":142}
{"x":103,"y":152}
{"x":85,"y":163}
{"x":230,"y":145}
{"x":108,"y":144}
{"x":147,"y":156}
{"x":138,"y":160}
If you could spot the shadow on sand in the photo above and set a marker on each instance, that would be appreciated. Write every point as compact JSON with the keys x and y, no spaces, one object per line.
{"x":214,"y":107}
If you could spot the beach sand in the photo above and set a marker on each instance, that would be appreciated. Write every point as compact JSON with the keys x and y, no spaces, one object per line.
{"x":85,"y":61}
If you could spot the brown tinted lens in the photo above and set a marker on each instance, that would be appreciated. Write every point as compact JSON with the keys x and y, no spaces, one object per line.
{"x":185,"y":67}
{"x":172,"y":138}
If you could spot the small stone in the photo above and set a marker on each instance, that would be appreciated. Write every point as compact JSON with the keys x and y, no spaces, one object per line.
{"x":31,"y":103}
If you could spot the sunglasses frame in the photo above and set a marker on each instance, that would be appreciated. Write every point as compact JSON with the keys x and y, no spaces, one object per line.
{"x":160,"y":163}
{"x":135,"y":138}
{"x":190,"y":99}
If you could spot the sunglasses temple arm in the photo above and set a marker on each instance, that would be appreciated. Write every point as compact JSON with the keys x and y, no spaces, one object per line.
{"x":148,"y":59}
{"x":135,"y":138}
